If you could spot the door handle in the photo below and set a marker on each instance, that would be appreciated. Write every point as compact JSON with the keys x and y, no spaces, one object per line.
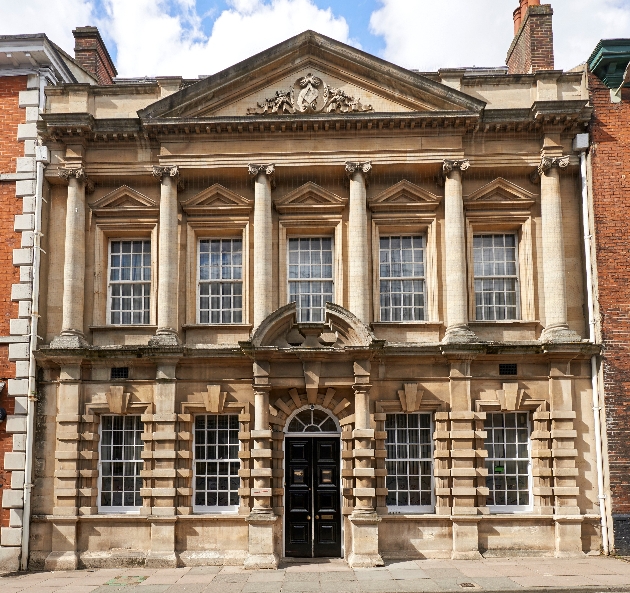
{"x":317,"y":516}
{"x":308,"y":517}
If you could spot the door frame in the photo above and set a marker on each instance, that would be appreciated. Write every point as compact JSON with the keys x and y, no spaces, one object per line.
{"x":327,"y":435}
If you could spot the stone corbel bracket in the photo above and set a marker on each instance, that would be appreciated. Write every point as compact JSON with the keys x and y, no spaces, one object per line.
{"x":78,"y":173}
{"x":546,"y":164}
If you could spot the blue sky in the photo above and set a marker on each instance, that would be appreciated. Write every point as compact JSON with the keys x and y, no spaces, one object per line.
{"x":200,"y":37}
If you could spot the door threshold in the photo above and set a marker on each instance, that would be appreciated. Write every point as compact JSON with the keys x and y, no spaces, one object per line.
{"x":332,"y":560}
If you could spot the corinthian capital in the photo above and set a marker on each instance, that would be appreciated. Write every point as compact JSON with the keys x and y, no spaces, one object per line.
{"x":449,"y":166}
{"x":364,"y":167}
{"x":76,"y":173}
{"x":547,"y":163}
{"x":160,"y":171}
{"x":256,"y":169}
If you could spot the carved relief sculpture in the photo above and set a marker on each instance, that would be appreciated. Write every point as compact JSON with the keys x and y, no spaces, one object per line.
{"x":311,"y":98}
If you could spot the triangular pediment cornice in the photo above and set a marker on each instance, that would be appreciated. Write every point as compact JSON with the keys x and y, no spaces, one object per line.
{"x":217,"y":200}
{"x":309,"y":199}
{"x":500,"y":193}
{"x":125,"y":201}
{"x":404,"y":197}
{"x":296,"y":55}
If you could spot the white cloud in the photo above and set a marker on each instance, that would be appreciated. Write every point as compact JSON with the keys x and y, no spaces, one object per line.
{"x":56,"y":18}
{"x":151,"y":41}
{"x":431,"y":35}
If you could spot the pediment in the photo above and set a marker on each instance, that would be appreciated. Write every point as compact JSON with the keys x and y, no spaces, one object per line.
{"x":125,"y":201}
{"x":309,"y":199}
{"x":217,"y":200}
{"x":404,"y":197}
{"x":311,"y":74}
{"x":500,"y":193}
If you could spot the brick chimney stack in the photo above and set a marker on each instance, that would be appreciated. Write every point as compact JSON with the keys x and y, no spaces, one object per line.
{"x":532,"y":48}
{"x":90,"y":52}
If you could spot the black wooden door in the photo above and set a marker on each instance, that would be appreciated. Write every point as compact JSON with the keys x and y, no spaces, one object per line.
{"x":313,"y":498}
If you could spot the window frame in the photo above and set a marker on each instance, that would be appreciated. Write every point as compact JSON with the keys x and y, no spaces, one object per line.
{"x":110,"y":510}
{"x":517,"y":277}
{"x":516,"y":509}
{"x":301,"y":280}
{"x":199,"y":239}
{"x":213,"y":510}
{"x":153,"y":268}
{"x":416,"y":509}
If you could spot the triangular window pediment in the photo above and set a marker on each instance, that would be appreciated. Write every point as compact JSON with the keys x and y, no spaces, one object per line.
{"x":217,"y":199}
{"x":310,"y":198}
{"x":311,"y":75}
{"x":404,"y":196}
{"x":125,"y":200}
{"x":500,"y":193}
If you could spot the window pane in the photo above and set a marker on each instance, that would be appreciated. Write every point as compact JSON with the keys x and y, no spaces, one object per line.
{"x":221,"y":273}
{"x":120,"y":480}
{"x":409,"y":466}
{"x":402,"y":257}
{"x":496,"y":277}
{"x":508,"y":459}
{"x":216,"y":478}
{"x":130,"y":278}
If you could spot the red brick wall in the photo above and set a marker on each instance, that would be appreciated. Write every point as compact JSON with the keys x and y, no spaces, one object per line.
{"x":533,"y":49}
{"x":10,"y":116}
{"x":611,"y":190}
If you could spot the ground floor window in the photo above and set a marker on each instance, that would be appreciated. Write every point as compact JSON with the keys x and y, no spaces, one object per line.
{"x":120,"y":463}
{"x":508,"y":461}
{"x":216,"y":463}
{"x":409,"y":463}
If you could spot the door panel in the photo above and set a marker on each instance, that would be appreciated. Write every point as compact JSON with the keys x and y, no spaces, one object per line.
{"x":313,"y":497}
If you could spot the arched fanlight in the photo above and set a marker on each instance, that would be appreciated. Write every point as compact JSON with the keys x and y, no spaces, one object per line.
{"x":312,"y":419}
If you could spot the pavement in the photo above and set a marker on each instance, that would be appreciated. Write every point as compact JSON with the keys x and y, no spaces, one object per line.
{"x":334,"y":576}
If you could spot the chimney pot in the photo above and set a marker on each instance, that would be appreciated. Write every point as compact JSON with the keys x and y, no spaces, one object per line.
{"x":524,"y":7}
{"x":517,"y":20}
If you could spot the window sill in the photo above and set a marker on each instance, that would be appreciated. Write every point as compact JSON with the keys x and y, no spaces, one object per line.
{"x":432,"y":324}
{"x":153,"y":328}
{"x":113,"y":513}
{"x":506,"y":322}
{"x":217,"y":326}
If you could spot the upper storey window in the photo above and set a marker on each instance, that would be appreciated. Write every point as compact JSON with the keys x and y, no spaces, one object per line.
{"x":402,"y":272}
{"x":220,"y":291}
{"x":129,"y":282}
{"x":311,"y":276}
{"x":496,"y":277}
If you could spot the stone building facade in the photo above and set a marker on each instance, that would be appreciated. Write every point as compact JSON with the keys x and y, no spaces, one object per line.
{"x":608,"y":166}
{"x":28,"y":63}
{"x":314,"y":305}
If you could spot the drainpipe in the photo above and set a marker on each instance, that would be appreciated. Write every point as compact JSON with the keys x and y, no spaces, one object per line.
{"x":41,"y":153}
{"x":581,"y":144}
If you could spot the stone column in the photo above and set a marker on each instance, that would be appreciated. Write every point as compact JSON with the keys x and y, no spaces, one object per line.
{"x":262,"y":520}
{"x":263,"y":241}
{"x":74,"y":263}
{"x":554,"y":271}
{"x":457,"y":329}
{"x":363,"y":520}
{"x":168,"y":259}
{"x":359,"y":286}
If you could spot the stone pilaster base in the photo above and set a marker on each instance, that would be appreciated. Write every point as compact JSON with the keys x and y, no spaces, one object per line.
{"x":64,"y":554}
{"x":466,"y":538}
{"x":262,"y":552}
{"x":364,"y":533}
{"x":162,"y":554}
{"x":461,"y":334}
{"x":9,"y":559}
{"x":568,"y":536}
{"x":61,"y":561}
{"x":559,"y":335}
{"x":165,"y":338}
{"x":69,"y":340}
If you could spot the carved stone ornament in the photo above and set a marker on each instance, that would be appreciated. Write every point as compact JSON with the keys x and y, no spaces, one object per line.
{"x":159,"y":171}
{"x":309,"y":94}
{"x":547,"y":163}
{"x":254,"y":170}
{"x":352,"y":168}
{"x":79,"y":174}
{"x":449,"y":166}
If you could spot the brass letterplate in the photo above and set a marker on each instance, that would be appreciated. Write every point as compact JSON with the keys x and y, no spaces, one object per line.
{"x":328,"y":517}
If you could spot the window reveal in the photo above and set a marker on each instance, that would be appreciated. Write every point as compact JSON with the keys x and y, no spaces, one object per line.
{"x":120,"y":460}
{"x":508,"y":459}
{"x":311,"y":276}
{"x":496,"y":277}
{"x":220,"y":281}
{"x":130,"y":282}
{"x":216,"y":461}
{"x":409,"y":461}
{"x":402,"y":284}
